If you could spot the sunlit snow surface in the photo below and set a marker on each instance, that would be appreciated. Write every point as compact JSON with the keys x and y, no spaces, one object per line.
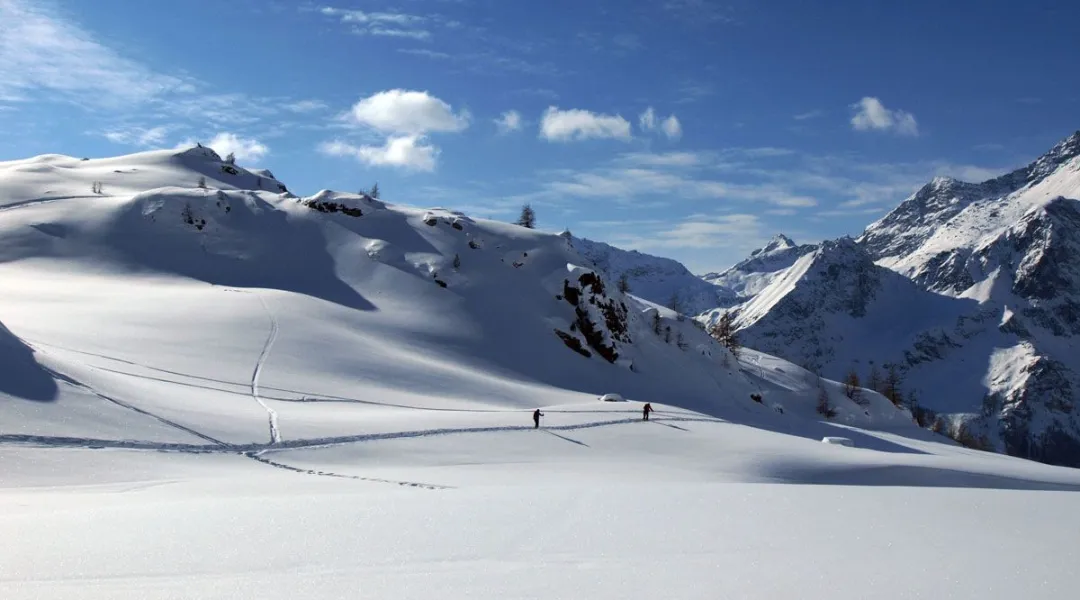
{"x":283,"y":404}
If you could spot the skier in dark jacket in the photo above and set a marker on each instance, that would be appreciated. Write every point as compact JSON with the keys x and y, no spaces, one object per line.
{"x":536,"y":418}
{"x":645,"y":411}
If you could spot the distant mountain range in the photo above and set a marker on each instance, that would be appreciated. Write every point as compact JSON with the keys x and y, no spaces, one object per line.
{"x":969,"y":291}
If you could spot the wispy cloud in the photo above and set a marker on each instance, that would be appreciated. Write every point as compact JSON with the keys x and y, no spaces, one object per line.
{"x":871,"y":115}
{"x":424,"y":52}
{"x":416,"y":34}
{"x":389,"y":24}
{"x":671,"y":127}
{"x":509,"y":121}
{"x":811,"y":114}
{"x":665,"y":159}
{"x":649,"y":121}
{"x":45,"y":56}
{"x":577,"y":125}
{"x":41,"y":51}
{"x":139,"y":136}
{"x":699,"y":11}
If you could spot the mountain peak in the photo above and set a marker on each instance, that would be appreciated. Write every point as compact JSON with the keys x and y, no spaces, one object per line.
{"x":778,"y":242}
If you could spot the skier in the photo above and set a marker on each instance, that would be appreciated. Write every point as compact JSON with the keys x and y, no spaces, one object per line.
{"x":536,"y":418}
{"x":645,"y":411}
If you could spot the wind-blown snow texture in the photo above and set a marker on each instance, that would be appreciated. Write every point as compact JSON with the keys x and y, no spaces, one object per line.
{"x":971,"y":290}
{"x":232,"y":392}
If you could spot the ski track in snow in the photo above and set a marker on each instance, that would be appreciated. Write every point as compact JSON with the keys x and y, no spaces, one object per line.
{"x":304,"y":397}
{"x":75,"y":442}
{"x":262,"y":459}
{"x":272,"y":416}
{"x":72,"y":381}
{"x":40,"y":201}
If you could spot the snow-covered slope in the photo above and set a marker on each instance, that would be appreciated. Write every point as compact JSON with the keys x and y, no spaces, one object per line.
{"x":653,"y":278}
{"x":264,"y":307}
{"x":974,"y":297}
{"x":754,"y":273}
{"x":233,"y":392}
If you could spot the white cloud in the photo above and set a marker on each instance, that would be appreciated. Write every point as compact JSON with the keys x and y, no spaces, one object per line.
{"x":510,"y":121}
{"x":408,"y":112}
{"x":138,"y":136}
{"x":40,"y":50}
{"x":245,"y":149}
{"x":871,"y":115}
{"x":671,"y":128}
{"x":647,"y":119}
{"x":575,"y":125}
{"x":408,"y":152}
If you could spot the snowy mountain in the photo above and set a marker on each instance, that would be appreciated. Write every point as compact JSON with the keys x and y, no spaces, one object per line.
{"x":338,"y":296}
{"x":654,"y":278}
{"x":754,"y":273}
{"x":210,"y":387}
{"x":969,"y":290}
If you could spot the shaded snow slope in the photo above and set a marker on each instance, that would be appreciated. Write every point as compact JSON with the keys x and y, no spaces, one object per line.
{"x":658,"y":280}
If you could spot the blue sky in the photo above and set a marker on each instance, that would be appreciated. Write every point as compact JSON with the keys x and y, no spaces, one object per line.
{"x":685,"y":128}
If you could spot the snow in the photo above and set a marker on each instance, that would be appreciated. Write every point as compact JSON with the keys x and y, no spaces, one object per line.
{"x":242,"y":395}
{"x":653,"y":278}
{"x":757,"y":272}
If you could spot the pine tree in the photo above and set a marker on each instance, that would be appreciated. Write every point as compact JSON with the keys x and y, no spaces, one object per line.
{"x":528,"y":217}
{"x":852,"y":388}
{"x":623,"y":285}
{"x":667,"y":334}
{"x":680,"y":341}
{"x":202,"y":183}
{"x":676,"y":306}
{"x":374,"y":191}
{"x":723,"y":331}
{"x":656,"y":322}
{"x":891,"y":386}
{"x":873,"y":380}
{"x":230,"y":159}
{"x":823,"y":407}
{"x":457,"y":262}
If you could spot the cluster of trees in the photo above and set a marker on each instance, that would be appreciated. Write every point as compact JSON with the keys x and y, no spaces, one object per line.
{"x":723,"y":331}
{"x":887,"y":384}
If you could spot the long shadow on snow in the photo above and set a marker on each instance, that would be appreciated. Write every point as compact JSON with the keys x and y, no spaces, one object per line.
{"x":20,"y":374}
{"x":908,"y":476}
{"x":814,"y":430}
{"x":261,"y":248}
